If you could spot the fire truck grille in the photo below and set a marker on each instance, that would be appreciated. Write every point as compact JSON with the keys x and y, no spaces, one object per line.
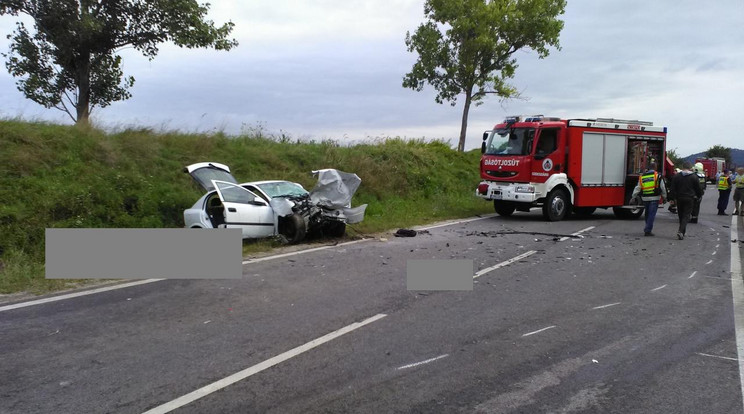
{"x":501,"y":174}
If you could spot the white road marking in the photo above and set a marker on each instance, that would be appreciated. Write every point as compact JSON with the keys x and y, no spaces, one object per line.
{"x":717,"y":246}
{"x":315,"y":249}
{"x":504,"y":263}
{"x":606,"y":306}
{"x":709,"y":262}
{"x":692,"y":275}
{"x":76,"y":294}
{"x":658,"y":288}
{"x":415,"y":364}
{"x":713,"y":254}
{"x":576,"y":234}
{"x":239,"y":376}
{"x":539,"y":330}
{"x":737,"y":292}
{"x":436,"y":226}
{"x":718,"y":356}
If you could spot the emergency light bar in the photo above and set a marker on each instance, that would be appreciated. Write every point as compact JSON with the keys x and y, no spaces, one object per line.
{"x":529,"y":118}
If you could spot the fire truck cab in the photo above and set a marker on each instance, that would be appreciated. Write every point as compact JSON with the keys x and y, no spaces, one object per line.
{"x":568,"y":165}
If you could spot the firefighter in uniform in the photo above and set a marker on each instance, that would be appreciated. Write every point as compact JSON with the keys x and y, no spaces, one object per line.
{"x":699,"y":172}
{"x":724,"y":192}
{"x":650,"y":187}
{"x":739,"y":191}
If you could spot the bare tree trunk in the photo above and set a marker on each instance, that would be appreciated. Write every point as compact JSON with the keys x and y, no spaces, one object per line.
{"x":82,"y":105}
{"x":464,"y":126}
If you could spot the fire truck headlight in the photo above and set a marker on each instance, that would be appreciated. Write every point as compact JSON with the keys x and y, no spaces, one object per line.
{"x":525,"y":189}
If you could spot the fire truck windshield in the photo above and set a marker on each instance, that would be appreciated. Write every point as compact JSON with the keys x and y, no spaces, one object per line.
{"x":515,"y":141}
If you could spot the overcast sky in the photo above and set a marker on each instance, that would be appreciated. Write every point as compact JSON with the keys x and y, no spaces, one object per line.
{"x":319,"y":69}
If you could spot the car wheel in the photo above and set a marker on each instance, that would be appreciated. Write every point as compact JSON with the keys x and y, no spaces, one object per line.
{"x":292,"y":228}
{"x":503,"y":208}
{"x":556,"y":205}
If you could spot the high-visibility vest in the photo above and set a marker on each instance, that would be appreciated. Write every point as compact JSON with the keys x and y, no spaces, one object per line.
{"x":649,"y":184}
{"x":723,"y":183}
{"x":739,"y":181}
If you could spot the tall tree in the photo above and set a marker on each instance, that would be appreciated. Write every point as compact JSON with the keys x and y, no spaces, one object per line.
{"x":676,"y":159}
{"x":70,"y":62}
{"x":466,"y":47}
{"x":719,"y":151}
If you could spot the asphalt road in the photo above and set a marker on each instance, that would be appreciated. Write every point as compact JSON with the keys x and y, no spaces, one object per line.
{"x":606,"y":321}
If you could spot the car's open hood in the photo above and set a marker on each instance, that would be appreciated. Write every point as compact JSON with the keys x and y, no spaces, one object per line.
{"x":334,"y":188}
{"x":204,"y":172}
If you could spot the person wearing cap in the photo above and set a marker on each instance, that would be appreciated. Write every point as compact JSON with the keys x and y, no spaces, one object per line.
{"x":724,"y":192}
{"x":738,"y":184}
{"x":698,"y":169}
{"x":650,"y":187}
{"x":685,"y":188}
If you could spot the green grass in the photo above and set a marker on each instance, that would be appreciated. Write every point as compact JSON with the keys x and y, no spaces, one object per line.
{"x":54,"y":176}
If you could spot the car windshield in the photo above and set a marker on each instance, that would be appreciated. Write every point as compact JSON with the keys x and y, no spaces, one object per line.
{"x":514,"y":141}
{"x":282,"y":189}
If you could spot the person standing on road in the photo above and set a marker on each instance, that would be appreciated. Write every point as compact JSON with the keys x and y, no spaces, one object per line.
{"x":698,"y":169}
{"x":738,"y":184}
{"x":650,"y":187}
{"x":724,"y":191}
{"x":686,"y":188}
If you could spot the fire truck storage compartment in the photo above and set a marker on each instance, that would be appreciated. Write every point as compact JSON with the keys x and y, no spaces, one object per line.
{"x":641,"y":152}
{"x":603,"y":159}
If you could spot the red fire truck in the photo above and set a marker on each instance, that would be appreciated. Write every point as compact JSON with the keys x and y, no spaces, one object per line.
{"x":711,"y":167}
{"x":568,"y":165}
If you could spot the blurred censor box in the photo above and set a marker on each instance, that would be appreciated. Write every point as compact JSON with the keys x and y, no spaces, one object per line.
{"x":144,"y":253}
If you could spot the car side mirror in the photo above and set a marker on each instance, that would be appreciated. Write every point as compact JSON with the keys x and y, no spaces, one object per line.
{"x":483,"y":147}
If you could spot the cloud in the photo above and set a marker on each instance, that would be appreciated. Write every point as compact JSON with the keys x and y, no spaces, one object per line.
{"x":329,"y":69}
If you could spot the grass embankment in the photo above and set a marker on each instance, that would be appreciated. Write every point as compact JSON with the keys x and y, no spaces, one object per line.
{"x":54,"y":176}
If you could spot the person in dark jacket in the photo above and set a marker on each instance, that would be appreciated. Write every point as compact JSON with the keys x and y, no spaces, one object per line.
{"x":686,"y":189}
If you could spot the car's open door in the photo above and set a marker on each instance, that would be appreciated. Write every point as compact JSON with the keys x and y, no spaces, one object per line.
{"x":245,"y":210}
{"x":204,"y":172}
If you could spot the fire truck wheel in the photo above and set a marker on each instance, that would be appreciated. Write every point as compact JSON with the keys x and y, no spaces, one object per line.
{"x":556,"y":205}
{"x":627,"y":214}
{"x":503,"y":208}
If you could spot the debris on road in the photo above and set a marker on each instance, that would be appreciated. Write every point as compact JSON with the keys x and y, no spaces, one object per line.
{"x":405,"y":233}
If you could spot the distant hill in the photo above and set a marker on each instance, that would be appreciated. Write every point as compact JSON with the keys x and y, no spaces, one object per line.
{"x":737,"y":157}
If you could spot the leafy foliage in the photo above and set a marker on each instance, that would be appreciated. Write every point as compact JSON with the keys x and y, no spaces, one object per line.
{"x":467,"y":46}
{"x":719,"y":151}
{"x":676,"y":159}
{"x":70,"y":63}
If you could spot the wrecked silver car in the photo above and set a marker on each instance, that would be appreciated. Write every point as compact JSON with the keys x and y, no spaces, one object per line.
{"x":273,"y":208}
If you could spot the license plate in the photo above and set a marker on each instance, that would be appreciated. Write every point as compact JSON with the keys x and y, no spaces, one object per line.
{"x":496,"y":195}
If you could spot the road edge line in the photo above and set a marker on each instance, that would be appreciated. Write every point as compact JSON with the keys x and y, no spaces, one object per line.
{"x":737,"y":293}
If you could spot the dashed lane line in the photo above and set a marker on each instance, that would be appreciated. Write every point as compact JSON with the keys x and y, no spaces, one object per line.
{"x":538,"y":331}
{"x":606,"y":306}
{"x":577,"y":233}
{"x":718,"y":356}
{"x":415,"y":364}
{"x":658,"y":288}
{"x":239,"y":376}
{"x":504,"y":263}
{"x":692,"y":275}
